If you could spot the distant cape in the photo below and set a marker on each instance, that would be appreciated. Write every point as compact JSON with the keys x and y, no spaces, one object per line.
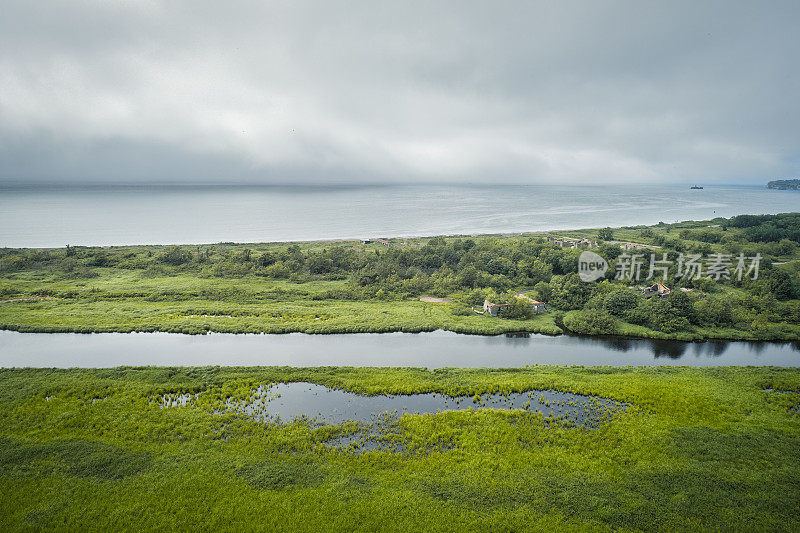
{"x":786,"y":185}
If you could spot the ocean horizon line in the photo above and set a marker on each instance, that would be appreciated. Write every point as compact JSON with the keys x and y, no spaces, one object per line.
{"x":85,"y":185}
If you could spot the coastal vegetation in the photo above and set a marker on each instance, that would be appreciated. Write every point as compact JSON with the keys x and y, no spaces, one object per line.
{"x":695,"y":448}
{"x":375,"y":286}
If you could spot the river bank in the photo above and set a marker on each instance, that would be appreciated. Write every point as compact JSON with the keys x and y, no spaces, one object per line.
{"x":201,"y":317}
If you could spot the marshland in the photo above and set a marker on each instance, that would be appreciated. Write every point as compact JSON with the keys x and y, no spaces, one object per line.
{"x":669,"y":448}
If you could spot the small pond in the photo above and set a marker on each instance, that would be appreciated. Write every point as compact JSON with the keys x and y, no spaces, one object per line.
{"x":284,"y":402}
{"x":377,"y":416}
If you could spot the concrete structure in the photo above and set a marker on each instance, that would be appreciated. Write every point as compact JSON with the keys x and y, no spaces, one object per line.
{"x":692,"y":292}
{"x":537,"y":306}
{"x":434,"y":300}
{"x":492,"y":308}
{"x":569,"y":242}
{"x":656,"y":289}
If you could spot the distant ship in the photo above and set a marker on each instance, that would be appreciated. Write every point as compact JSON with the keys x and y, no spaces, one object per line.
{"x":695,"y":187}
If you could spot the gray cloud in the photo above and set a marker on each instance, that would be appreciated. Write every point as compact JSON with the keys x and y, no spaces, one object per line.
{"x":514,"y":92}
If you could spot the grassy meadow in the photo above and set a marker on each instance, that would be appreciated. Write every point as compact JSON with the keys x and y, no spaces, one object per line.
{"x":696,"y":448}
{"x":117,"y":301}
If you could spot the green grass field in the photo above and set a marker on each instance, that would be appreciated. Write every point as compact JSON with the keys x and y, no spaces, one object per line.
{"x":124,"y":302}
{"x":709,"y":449}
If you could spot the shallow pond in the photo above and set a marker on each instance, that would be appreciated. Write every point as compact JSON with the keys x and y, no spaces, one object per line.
{"x":377,"y":416}
{"x":288,"y":401}
{"x":432,"y":350}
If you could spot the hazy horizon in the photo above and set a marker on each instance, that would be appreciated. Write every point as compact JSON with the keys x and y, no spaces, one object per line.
{"x":417,"y":92}
{"x":105,"y":215}
{"x":77,"y":184}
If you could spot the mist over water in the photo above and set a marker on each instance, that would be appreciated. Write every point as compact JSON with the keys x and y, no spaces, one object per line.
{"x":54,"y":217}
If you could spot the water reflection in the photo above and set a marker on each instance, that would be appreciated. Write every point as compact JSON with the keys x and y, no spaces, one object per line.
{"x":289,"y":401}
{"x":432,"y":350}
{"x":673,"y":350}
{"x":710,"y":348}
{"x":662,"y":348}
{"x":619,"y":344}
{"x":378,"y":424}
{"x":378,"y":417}
{"x":758,"y":347}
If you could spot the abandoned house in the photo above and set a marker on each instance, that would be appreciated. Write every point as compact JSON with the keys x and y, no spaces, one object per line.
{"x":536,"y":306}
{"x":656,"y":289}
{"x":692,"y":292}
{"x":493,"y":308}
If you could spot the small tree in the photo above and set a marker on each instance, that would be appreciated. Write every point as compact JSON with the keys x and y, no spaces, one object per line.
{"x":175,"y":255}
{"x":590,"y":322}
{"x":605,"y":234}
{"x":620,"y":301}
{"x":517,"y":308}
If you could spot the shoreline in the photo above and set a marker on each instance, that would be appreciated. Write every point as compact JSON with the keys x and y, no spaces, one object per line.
{"x":374,"y":237}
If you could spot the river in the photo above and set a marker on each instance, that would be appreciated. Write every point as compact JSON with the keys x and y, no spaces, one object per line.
{"x":431,"y":350}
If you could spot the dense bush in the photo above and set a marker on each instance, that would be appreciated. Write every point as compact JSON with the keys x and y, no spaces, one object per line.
{"x":175,"y":255}
{"x":620,"y":301}
{"x":517,"y":309}
{"x":590,"y":322}
{"x":711,"y":311}
{"x":6,"y":292}
{"x":605,"y":234}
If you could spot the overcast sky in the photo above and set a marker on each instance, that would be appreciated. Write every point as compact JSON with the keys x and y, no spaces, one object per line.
{"x":480,"y":92}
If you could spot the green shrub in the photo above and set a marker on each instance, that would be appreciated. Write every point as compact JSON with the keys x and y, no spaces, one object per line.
{"x":279,"y":475}
{"x":175,"y":255}
{"x":461,"y":310}
{"x":590,"y":322}
{"x":620,"y":301}
{"x":8,"y":291}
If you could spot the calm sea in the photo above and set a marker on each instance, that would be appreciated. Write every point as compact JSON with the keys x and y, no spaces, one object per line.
{"x":54,"y":217}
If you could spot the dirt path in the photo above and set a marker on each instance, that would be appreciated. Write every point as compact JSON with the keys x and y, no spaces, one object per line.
{"x":431,"y":299}
{"x":29,"y":299}
{"x":635,"y":245}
